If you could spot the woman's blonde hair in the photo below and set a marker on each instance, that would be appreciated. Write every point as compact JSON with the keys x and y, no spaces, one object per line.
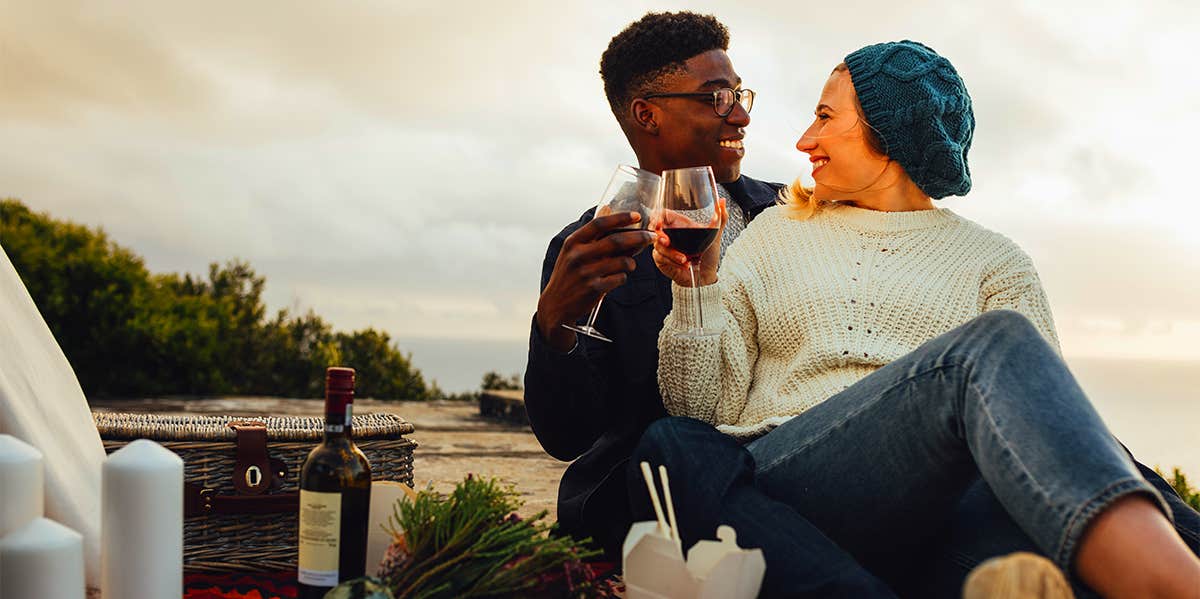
{"x":797,"y":199}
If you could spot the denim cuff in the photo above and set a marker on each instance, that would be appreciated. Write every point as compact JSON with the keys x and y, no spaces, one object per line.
{"x":1079,"y":521}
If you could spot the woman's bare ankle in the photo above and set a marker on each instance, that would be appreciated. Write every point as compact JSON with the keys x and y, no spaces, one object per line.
{"x":1131,"y":550}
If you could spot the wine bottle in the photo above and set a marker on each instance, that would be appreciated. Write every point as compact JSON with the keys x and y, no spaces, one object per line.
{"x":335,"y":497}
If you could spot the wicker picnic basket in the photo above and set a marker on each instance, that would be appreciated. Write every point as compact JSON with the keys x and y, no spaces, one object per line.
{"x":241,"y":478}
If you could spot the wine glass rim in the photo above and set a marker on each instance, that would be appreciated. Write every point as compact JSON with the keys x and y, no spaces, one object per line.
{"x":688,"y":168}
{"x":637,"y":172}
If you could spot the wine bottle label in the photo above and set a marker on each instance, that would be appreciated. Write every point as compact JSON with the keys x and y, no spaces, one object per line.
{"x":320,"y":537}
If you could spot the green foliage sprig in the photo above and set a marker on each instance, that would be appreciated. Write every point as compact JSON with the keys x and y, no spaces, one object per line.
{"x":471,"y":544}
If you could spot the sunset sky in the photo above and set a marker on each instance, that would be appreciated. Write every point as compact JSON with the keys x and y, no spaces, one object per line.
{"x":403,"y":165}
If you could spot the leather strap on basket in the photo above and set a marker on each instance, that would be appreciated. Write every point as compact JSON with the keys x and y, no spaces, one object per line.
{"x":255,"y":473}
{"x":199,"y":501}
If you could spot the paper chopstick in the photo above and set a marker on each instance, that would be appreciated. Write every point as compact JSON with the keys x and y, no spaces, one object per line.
{"x":658,"y":511}
{"x":662,"y":473}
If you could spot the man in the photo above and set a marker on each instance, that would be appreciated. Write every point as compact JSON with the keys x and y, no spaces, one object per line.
{"x":588,"y":400}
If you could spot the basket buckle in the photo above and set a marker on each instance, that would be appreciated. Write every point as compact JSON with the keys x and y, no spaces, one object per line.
{"x":254,"y":471}
{"x":254,"y":477}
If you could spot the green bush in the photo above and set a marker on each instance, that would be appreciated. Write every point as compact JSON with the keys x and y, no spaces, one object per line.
{"x":495,"y":380}
{"x":491,"y":380}
{"x":1180,"y":483}
{"x":130,"y":333}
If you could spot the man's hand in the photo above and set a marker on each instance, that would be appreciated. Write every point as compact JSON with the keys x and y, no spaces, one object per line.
{"x":674,"y":264}
{"x":594,"y":260}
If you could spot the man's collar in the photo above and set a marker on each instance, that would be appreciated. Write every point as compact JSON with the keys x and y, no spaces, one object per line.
{"x":751,"y":194}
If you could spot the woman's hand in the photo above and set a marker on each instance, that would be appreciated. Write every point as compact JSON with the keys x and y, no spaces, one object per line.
{"x":673,"y":263}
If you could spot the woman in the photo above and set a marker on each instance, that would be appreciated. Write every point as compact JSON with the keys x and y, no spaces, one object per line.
{"x":900,"y":350}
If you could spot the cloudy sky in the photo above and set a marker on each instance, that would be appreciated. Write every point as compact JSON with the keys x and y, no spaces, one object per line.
{"x":403,"y":165}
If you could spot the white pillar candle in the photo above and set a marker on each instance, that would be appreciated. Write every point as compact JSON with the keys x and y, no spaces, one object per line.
{"x":42,"y":559}
{"x":141,"y":524}
{"x":21,"y":484}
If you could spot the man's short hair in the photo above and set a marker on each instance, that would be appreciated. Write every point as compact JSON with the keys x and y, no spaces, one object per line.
{"x":653,"y":46}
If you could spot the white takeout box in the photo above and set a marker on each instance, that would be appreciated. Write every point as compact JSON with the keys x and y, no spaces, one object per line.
{"x":384,"y":495}
{"x":655,"y":568}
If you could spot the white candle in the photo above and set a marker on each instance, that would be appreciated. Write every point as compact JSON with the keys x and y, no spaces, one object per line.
{"x":21,"y":484}
{"x":141,"y":524}
{"x":42,"y":559}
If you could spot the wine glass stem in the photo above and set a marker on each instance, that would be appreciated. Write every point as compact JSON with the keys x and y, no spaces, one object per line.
{"x":595,"y":312}
{"x":696,"y":295}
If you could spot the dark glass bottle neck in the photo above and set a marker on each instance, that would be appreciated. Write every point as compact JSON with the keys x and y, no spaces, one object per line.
{"x":337,"y":431}
{"x":338,"y":408}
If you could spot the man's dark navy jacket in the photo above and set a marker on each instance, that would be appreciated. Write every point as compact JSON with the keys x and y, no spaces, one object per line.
{"x":593,"y":404}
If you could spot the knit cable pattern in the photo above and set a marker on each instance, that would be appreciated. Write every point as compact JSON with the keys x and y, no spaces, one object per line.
{"x":919,"y":105}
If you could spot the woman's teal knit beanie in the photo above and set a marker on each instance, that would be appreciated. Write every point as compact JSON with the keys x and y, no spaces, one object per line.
{"x":919,"y":105}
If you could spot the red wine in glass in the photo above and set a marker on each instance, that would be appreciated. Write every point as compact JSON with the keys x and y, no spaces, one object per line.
{"x":691,"y":242}
{"x":687,"y":211}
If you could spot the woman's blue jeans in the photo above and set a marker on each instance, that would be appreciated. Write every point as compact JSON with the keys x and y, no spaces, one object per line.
{"x":879,"y":468}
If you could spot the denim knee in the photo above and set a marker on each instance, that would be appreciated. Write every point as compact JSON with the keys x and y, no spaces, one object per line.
{"x":999,"y":330}
{"x":693,"y":448}
{"x":1008,"y":322}
{"x":664,"y":440}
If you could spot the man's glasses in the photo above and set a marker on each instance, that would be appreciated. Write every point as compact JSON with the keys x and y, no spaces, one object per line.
{"x":722,"y":99}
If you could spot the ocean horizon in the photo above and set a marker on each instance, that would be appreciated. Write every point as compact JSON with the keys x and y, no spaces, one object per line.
{"x":1153,"y":407}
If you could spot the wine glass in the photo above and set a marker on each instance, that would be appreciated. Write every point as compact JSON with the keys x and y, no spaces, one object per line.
{"x":630,"y":189}
{"x":687,"y":211}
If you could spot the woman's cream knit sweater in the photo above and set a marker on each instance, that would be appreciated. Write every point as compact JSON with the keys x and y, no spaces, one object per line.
{"x":807,"y":308}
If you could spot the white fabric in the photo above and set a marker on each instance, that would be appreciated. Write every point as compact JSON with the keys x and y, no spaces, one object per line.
{"x":42,"y":404}
{"x":808,"y":308}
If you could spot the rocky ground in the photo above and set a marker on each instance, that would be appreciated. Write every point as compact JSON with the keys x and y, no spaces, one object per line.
{"x":453,"y":440}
